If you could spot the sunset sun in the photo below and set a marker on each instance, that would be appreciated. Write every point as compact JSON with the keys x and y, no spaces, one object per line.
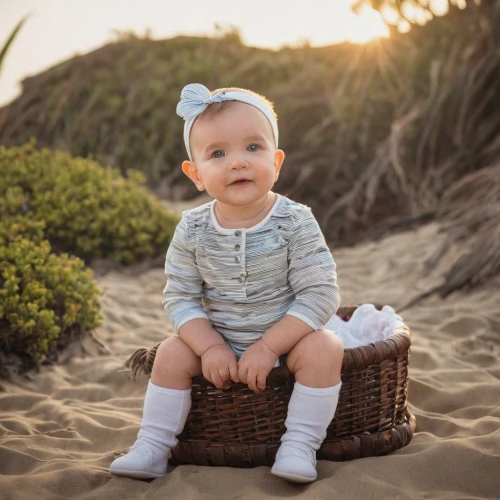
{"x":366,"y":26}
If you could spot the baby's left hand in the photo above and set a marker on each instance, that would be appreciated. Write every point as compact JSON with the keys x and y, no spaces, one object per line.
{"x":255,"y":364}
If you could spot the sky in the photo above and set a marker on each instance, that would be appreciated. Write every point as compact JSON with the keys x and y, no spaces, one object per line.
{"x":56,"y":30}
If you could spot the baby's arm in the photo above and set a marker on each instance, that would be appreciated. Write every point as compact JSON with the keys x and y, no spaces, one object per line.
{"x":218,"y":362}
{"x":260,"y":358}
{"x":183,"y":292}
{"x":183,"y":306}
{"x":312,"y":274}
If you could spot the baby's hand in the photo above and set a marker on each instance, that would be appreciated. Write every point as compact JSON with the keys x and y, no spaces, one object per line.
{"x":219,"y":365}
{"x":255,"y":364}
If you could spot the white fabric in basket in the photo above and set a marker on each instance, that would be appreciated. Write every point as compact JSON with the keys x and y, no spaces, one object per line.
{"x":366,"y":325}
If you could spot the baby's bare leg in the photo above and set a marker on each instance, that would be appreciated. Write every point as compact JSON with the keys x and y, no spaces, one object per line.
{"x":316,"y":361}
{"x":175,"y":364}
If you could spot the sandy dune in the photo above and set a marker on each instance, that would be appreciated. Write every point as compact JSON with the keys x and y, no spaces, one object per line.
{"x":61,"y":428}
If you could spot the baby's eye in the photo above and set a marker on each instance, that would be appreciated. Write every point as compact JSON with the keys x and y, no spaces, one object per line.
{"x":218,"y":154}
{"x":253,"y":147}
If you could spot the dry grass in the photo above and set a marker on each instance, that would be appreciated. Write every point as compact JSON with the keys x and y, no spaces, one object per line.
{"x":470,"y":210}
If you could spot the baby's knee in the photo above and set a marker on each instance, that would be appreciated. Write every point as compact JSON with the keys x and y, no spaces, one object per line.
{"x":173,"y":354}
{"x":332,"y":342}
{"x":323,"y":341}
{"x":320,"y":348}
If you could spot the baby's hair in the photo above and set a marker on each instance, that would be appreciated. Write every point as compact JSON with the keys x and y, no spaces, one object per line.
{"x":215,"y":108}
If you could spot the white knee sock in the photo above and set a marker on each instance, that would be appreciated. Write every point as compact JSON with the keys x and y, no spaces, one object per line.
{"x":164,"y":416}
{"x":310,"y":411}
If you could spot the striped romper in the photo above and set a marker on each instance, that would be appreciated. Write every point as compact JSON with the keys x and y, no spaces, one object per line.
{"x":245,"y":280}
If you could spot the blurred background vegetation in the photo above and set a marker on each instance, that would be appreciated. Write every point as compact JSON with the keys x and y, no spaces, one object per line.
{"x":379,"y":137}
{"x":372,"y":132}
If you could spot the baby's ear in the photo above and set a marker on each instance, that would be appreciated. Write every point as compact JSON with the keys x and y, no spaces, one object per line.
{"x":279,"y":157}
{"x":191,"y":170}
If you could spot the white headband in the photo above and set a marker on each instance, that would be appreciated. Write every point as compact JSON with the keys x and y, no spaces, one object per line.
{"x":195,"y":98}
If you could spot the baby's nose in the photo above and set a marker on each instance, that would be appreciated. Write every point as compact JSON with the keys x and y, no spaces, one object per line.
{"x":239,"y":161}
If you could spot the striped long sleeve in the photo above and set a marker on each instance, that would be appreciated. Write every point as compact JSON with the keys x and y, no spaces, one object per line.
{"x":184,"y":290}
{"x":312,"y":274}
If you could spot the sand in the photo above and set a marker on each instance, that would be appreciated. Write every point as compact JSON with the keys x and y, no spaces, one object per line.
{"x":61,"y":428}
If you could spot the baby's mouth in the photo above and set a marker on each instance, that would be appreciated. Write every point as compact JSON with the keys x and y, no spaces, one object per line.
{"x":240,"y":182}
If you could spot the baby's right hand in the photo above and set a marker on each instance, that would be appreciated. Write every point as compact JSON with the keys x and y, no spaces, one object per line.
{"x":218,"y":364}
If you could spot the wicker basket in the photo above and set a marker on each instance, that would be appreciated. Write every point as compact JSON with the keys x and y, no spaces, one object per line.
{"x":239,"y":428}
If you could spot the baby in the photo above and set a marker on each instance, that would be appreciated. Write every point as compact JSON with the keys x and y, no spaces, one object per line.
{"x":249,"y":279}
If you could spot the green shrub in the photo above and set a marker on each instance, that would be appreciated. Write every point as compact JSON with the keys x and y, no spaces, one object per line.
{"x":43,"y":296}
{"x":85,"y":210}
{"x":16,"y":226}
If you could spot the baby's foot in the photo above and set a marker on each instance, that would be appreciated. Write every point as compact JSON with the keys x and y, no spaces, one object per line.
{"x":295,"y":462}
{"x":143,"y":461}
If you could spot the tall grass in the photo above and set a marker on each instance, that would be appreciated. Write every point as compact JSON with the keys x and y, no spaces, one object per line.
{"x":8,"y":43}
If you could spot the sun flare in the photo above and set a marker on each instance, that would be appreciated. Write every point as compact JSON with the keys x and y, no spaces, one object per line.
{"x":366,"y":26}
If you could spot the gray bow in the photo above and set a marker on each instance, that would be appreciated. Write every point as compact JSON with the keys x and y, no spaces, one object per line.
{"x":195,"y":98}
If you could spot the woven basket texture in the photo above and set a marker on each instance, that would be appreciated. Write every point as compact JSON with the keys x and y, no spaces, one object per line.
{"x":236,"y":427}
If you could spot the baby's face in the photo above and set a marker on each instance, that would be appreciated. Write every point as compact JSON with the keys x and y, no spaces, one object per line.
{"x":234,"y":155}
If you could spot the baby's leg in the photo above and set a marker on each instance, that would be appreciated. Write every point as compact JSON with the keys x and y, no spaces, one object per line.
{"x":175,"y":365}
{"x":316,"y":361}
{"x":166,"y":407}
